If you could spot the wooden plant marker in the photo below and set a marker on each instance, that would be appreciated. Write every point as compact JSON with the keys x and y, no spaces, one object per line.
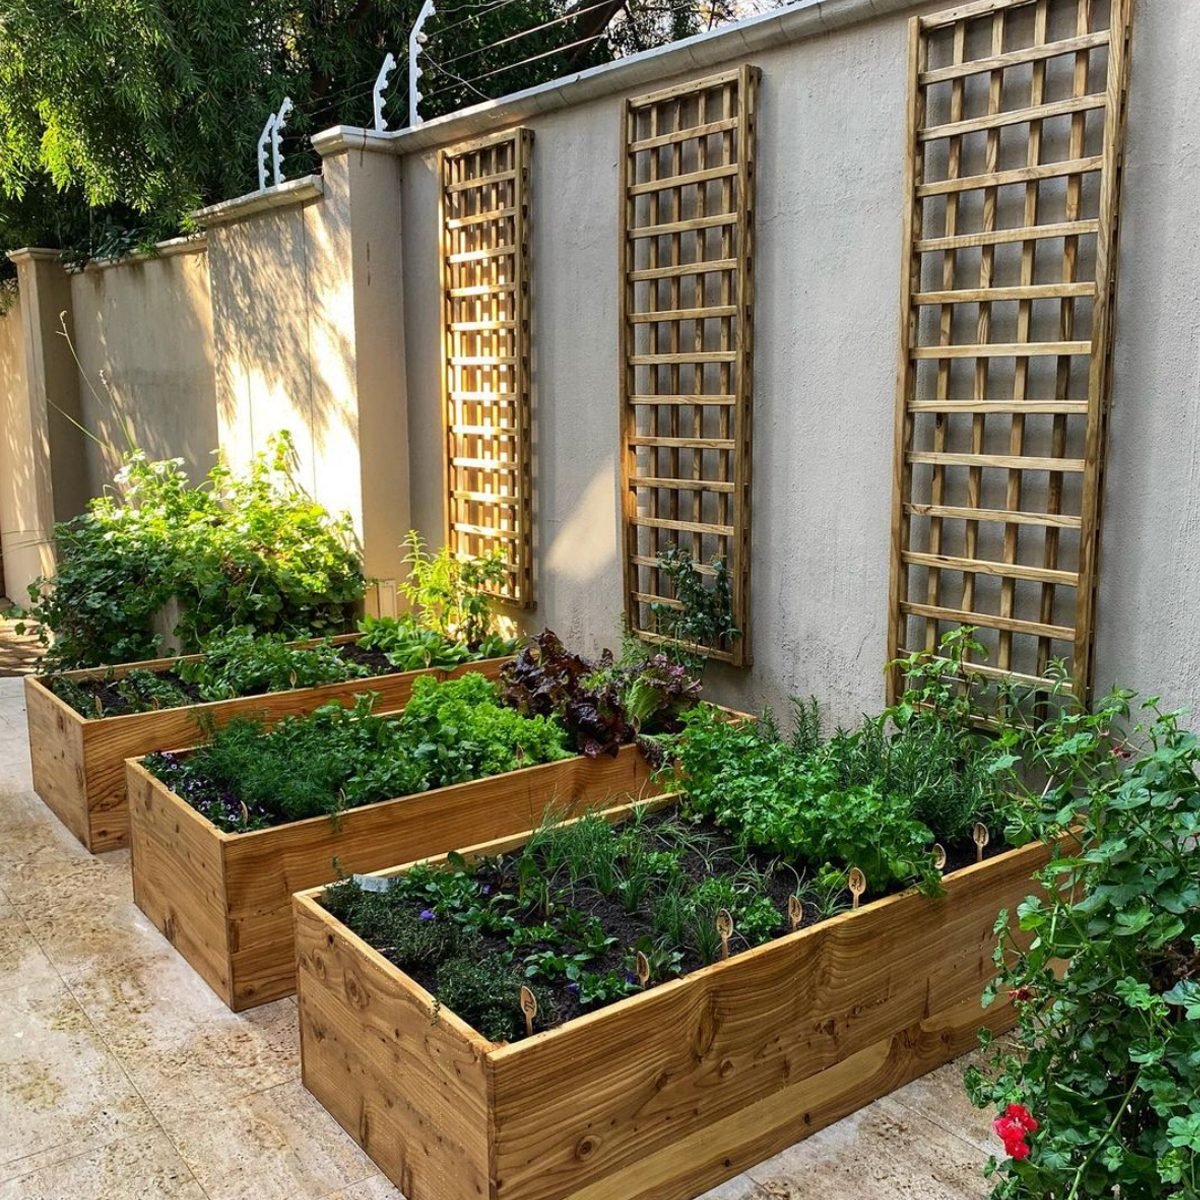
{"x":529,"y":1009}
{"x":795,"y":912}
{"x":939,"y":856}
{"x":981,"y":837}
{"x":857,"y":882}
{"x":725,"y":929}
{"x":643,"y":969}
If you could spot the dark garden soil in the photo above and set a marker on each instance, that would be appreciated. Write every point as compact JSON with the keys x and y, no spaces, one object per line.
{"x":500,"y":876}
{"x":115,"y":704}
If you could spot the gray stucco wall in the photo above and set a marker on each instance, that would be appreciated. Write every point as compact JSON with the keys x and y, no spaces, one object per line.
{"x":830,"y":170}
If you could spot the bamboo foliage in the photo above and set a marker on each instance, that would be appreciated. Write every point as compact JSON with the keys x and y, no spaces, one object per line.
{"x":486,"y":401}
{"x":687,"y":296}
{"x":1015,"y":144}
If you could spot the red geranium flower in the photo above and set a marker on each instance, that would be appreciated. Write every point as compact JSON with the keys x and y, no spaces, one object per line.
{"x":1016,"y":1124}
{"x":1021,"y":995}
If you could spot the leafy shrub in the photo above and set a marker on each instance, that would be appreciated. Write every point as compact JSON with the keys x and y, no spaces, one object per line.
{"x":1099,"y":1091}
{"x":253,"y":551}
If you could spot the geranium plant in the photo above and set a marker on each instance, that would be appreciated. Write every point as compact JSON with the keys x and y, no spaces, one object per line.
{"x":1098,"y":1091}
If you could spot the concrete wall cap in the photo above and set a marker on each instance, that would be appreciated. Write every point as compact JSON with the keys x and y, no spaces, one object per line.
{"x":283,"y":195}
{"x":195,"y":243}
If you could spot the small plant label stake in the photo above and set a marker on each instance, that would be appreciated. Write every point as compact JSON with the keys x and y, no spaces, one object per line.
{"x":795,"y":912}
{"x":643,"y":969}
{"x":857,"y":883}
{"x":981,"y":838}
{"x":528,"y":1009}
{"x":725,"y":930}
{"x":939,"y":856}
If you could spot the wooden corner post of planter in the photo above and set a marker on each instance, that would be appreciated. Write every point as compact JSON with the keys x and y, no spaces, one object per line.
{"x":669,"y":1092}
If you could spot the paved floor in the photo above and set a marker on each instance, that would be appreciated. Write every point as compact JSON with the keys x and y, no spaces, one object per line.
{"x":122,"y":1077}
{"x":18,"y":654}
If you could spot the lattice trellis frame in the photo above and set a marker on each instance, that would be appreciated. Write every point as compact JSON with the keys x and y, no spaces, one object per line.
{"x":484,"y":219}
{"x":687,"y":296}
{"x":1016,"y":137}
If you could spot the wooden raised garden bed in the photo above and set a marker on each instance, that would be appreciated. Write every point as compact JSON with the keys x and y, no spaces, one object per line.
{"x":79,"y":762}
{"x":669,"y":1092}
{"x":224,"y":899}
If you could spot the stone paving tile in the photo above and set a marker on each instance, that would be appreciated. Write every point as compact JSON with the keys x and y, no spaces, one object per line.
{"x":941,"y":1098}
{"x":140,"y":1168}
{"x":62,"y":1093}
{"x":375,"y":1188}
{"x":22,"y":960}
{"x":883,"y":1152}
{"x":190,"y":1053}
{"x":274,"y":1145}
{"x":91,"y":931}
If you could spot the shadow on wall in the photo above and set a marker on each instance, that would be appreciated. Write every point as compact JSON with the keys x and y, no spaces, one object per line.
{"x":282,"y":311}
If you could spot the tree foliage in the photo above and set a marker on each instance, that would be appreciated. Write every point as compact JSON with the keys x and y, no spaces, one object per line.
{"x":118,"y":118}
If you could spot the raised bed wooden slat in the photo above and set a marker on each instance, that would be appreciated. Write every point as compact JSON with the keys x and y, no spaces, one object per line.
{"x":79,"y":762}
{"x":224,"y":899}
{"x":667,"y":1093}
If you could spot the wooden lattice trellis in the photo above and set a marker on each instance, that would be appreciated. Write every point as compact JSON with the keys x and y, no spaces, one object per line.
{"x":484,"y":222}
{"x":687,"y":237}
{"x":1016,"y":130}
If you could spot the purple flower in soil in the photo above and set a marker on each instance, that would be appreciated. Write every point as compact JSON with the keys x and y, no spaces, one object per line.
{"x":427,"y":914}
{"x":486,"y":889}
{"x":573,"y":987}
{"x":630,"y":978}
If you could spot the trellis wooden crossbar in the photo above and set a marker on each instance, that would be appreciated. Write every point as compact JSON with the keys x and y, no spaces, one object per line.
{"x":687,"y":295}
{"x":484,"y":223}
{"x":1015,"y":145}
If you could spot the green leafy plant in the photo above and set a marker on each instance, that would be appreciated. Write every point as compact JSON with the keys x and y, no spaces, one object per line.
{"x":452,"y":595}
{"x":410,"y":646}
{"x":251,"y":550}
{"x":242,"y":664}
{"x":1099,"y":1089}
{"x":249,"y":777}
{"x":701,"y":617}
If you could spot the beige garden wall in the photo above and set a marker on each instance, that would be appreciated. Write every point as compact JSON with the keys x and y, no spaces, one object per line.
{"x":23,"y":550}
{"x":143,"y":333}
{"x":830,"y":156}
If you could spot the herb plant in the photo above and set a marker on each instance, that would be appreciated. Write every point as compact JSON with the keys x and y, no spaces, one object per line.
{"x":1099,"y":1089}
{"x":249,"y":777}
{"x":410,"y":646}
{"x":453,"y":596}
{"x":557,"y":917}
{"x":241,"y":664}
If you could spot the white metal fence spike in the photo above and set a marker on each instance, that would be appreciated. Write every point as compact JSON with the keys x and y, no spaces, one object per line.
{"x":281,"y":117}
{"x":268,"y":130}
{"x":417,"y":39}
{"x":381,"y":82}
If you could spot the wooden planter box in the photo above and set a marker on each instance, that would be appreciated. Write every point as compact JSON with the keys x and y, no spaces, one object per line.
{"x":667,"y":1093}
{"x":224,"y":899}
{"x":79,"y":762}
